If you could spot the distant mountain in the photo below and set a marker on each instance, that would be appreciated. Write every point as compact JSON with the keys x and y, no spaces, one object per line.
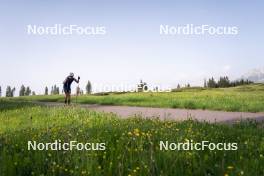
{"x":255,"y":75}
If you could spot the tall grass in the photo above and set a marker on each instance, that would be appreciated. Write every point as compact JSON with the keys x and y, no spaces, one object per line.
{"x":132,"y":145}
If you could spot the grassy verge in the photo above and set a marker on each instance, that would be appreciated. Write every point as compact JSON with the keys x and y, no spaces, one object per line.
{"x":249,"y":98}
{"x":132,"y":145}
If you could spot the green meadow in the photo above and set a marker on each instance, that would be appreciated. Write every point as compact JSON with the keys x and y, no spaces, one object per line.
{"x":132,"y":145}
{"x":247,"y":98}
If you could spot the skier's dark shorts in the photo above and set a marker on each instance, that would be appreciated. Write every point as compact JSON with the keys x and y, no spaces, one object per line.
{"x":67,"y":88}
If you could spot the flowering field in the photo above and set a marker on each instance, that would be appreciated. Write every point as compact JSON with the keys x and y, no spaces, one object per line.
{"x":132,"y":146}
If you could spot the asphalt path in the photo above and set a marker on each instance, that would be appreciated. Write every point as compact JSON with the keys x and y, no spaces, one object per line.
{"x":169,"y":113}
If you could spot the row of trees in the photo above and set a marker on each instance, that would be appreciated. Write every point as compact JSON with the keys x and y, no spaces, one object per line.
{"x":186,"y":85}
{"x":24,"y":91}
{"x":142,"y":86}
{"x":10,"y":92}
{"x":55,"y":90}
{"x":224,"y":82}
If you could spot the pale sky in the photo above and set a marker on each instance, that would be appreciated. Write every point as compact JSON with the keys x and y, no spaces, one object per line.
{"x":132,"y":48}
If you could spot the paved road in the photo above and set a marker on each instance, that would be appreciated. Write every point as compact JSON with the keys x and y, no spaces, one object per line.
{"x":169,"y":113}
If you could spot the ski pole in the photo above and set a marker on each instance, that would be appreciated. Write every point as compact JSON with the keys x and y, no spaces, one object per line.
{"x":78,"y":89}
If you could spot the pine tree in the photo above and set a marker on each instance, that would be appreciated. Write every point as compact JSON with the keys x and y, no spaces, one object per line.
{"x":27,"y":91}
{"x":46,"y":91}
{"x":22,"y":90}
{"x":8,"y":91}
{"x":211,"y":83}
{"x":13,"y":91}
{"x":52,"y":90}
{"x":88,"y":88}
{"x":57,"y":90}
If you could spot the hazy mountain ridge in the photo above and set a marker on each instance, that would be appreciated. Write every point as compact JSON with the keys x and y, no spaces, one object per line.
{"x":255,"y":75}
